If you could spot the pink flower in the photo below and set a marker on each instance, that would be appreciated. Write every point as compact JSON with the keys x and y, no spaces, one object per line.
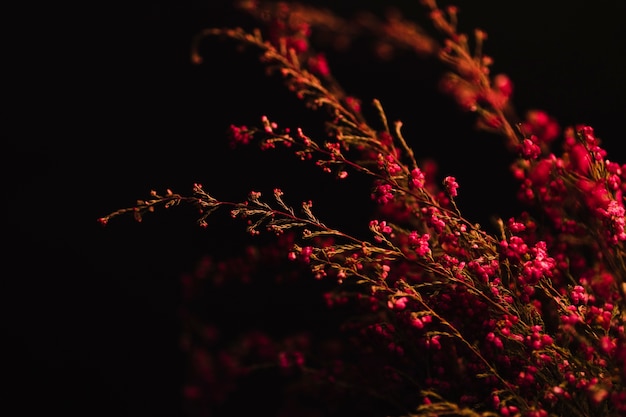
{"x":529,"y":149}
{"x":398,"y":303}
{"x":383,"y":194}
{"x":240,"y":135}
{"x":319,"y":65}
{"x":451,"y":186}
{"x":417,"y":178}
{"x":420,"y":243}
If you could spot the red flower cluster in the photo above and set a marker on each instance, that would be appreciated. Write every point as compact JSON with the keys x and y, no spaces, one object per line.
{"x":435,"y":315}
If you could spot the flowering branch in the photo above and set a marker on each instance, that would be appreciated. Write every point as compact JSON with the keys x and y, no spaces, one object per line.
{"x":528,"y":323}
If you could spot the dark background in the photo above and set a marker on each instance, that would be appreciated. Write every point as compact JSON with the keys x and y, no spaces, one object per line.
{"x":104,"y":106}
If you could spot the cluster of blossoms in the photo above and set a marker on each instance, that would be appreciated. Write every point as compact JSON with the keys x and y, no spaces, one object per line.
{"x":445,"y":318}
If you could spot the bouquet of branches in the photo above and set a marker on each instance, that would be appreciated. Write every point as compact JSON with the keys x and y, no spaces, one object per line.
{"x":429,"y":314}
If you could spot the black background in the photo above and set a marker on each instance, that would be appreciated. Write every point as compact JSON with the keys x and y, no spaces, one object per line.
{"x":104,"y":105}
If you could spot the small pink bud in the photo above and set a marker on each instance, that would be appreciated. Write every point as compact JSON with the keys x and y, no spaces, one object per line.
{"x":503,"y":84}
